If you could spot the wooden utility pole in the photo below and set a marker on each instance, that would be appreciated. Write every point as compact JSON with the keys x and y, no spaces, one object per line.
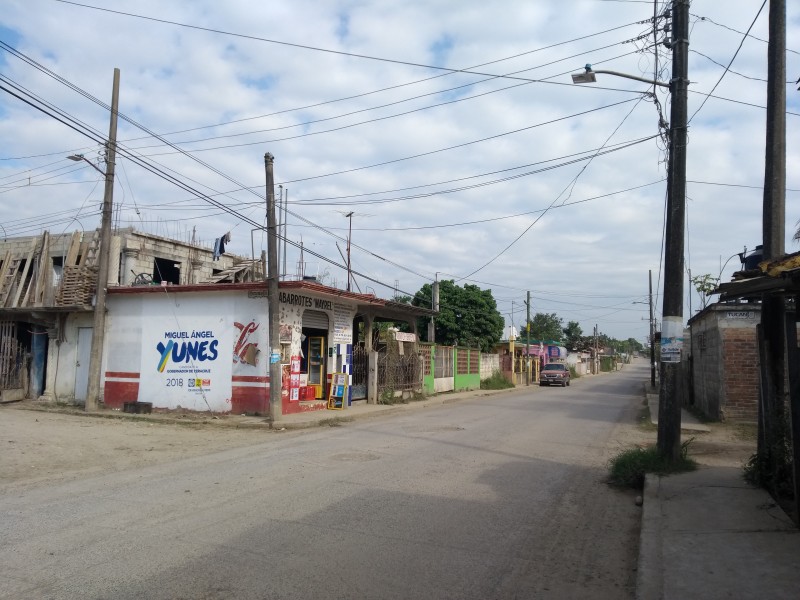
{"x":275,"y":405}
{"x":773,"y":309}
{"x":99,"y":326}
{"x":669,"y":405}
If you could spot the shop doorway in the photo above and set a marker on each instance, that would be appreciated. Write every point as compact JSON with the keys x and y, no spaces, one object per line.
{"x":315,"y":350}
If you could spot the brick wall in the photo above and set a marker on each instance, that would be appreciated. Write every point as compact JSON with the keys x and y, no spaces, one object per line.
{"x":740,"y":364}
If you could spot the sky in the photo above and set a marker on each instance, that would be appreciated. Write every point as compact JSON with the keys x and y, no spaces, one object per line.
{"x":450,"y":131}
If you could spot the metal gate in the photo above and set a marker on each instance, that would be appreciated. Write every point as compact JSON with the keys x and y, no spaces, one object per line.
{"x":398,"y":373}
{"x":360,"y":369}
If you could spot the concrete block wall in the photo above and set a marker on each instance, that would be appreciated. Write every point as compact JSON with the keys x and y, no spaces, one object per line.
{"x":150,"y":247}
{"x":489,"y":364}
{"x":724,"y":355}
{"x":707,"y":372}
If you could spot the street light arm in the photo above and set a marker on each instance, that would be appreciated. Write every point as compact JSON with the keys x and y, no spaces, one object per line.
{"x":588,"y":76}
{"x":634,"y":77}
{"x":81,"y":157}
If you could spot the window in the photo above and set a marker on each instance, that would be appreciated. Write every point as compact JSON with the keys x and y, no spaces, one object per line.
{"x":168,"y":270}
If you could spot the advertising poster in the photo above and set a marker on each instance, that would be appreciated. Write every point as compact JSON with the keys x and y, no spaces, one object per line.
{"x":671,"y":339}
{"x":187,"y":366}
{"x":192,"y":357}
{"x":342,"y":324}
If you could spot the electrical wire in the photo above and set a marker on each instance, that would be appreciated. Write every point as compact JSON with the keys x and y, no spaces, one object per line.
{"x":710,"y":20}
{"x":735,"y":54}
{"x":538,"y":218}
{"x":294,"y":45}
{"x":123,"y":152}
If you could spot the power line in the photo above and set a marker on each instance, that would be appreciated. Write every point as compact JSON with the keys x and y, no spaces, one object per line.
{"x":710,"y":20}
{"x":735,"y":54}
{"x":295,"y":45}
{"x":122,"y":151}
{"x":536,"y":220}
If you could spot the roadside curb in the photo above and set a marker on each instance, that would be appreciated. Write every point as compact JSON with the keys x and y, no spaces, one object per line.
{"x":318,"y":418}
{"x":326,"y":418}
{"x":649,"y":572}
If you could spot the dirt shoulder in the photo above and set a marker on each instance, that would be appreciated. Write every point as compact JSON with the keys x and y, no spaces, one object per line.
{"x":52,"y":445}
{"x":724,"y":445}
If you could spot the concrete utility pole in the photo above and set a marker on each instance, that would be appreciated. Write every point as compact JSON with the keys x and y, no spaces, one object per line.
{"x":285,"y":230}
{"x":99,"y":326}
{"x":669,"y":406}
{"x":275,"y":405}
{"x":652,"y":335}
{"x":435,"y":307}
{"x":528,"y":343}
{"x":773,"y":308}
{"x":349,"y":235}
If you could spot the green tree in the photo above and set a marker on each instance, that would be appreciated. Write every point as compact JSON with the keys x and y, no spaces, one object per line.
{"x":573,"y":335}
{"x":467,"y":315}
{"x":544,"y":326}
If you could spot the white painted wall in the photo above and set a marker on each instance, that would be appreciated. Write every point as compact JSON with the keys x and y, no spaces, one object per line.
{"x":152,"y":334}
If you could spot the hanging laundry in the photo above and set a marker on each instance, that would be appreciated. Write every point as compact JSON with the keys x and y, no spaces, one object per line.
{"x":219,"y":245}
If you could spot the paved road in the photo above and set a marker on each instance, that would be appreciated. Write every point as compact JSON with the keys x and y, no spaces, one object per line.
{"x":496,"y":497}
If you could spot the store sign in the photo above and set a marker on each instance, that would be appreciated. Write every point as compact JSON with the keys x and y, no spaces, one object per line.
{"x":305,"y":301}
{"x":739,"y":314}
{"x":342,"y":324}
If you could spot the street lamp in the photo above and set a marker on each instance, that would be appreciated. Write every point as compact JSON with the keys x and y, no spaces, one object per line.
{"x":98,"y":328}
{"x":588,"y":76}
{"x":652,"y":332}
{"x":99,"y":325}
{"x":669,"y":408}
{"x":81,"y":157}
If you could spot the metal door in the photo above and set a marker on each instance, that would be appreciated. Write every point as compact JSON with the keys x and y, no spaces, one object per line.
{"x":82,"y":362}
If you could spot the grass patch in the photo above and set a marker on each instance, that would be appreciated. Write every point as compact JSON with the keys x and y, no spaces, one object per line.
{"x":334,"y":422}
{"x":496,"y":382}
{"x":629,"y":467}
{"x":644,"y":420}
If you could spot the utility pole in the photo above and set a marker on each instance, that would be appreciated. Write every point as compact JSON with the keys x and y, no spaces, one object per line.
{"x":99,"y":326}
{"x":528,"y":342}
{"x":349,"y":235}
{"x":279,"y":216}
{"x":285,"y":230}
{"x":669,"y":406}
{"x":652,"y":336}
{"x":773,"y":308}
{"x":435,"y":307}
{"x":596,"y":353}
{"x":275,"y":406}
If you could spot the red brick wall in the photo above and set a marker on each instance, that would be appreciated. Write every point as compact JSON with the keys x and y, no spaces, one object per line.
{"x":740,"y":379}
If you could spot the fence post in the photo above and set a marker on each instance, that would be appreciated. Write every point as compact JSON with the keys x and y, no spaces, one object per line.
{"x":372,"y":378}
